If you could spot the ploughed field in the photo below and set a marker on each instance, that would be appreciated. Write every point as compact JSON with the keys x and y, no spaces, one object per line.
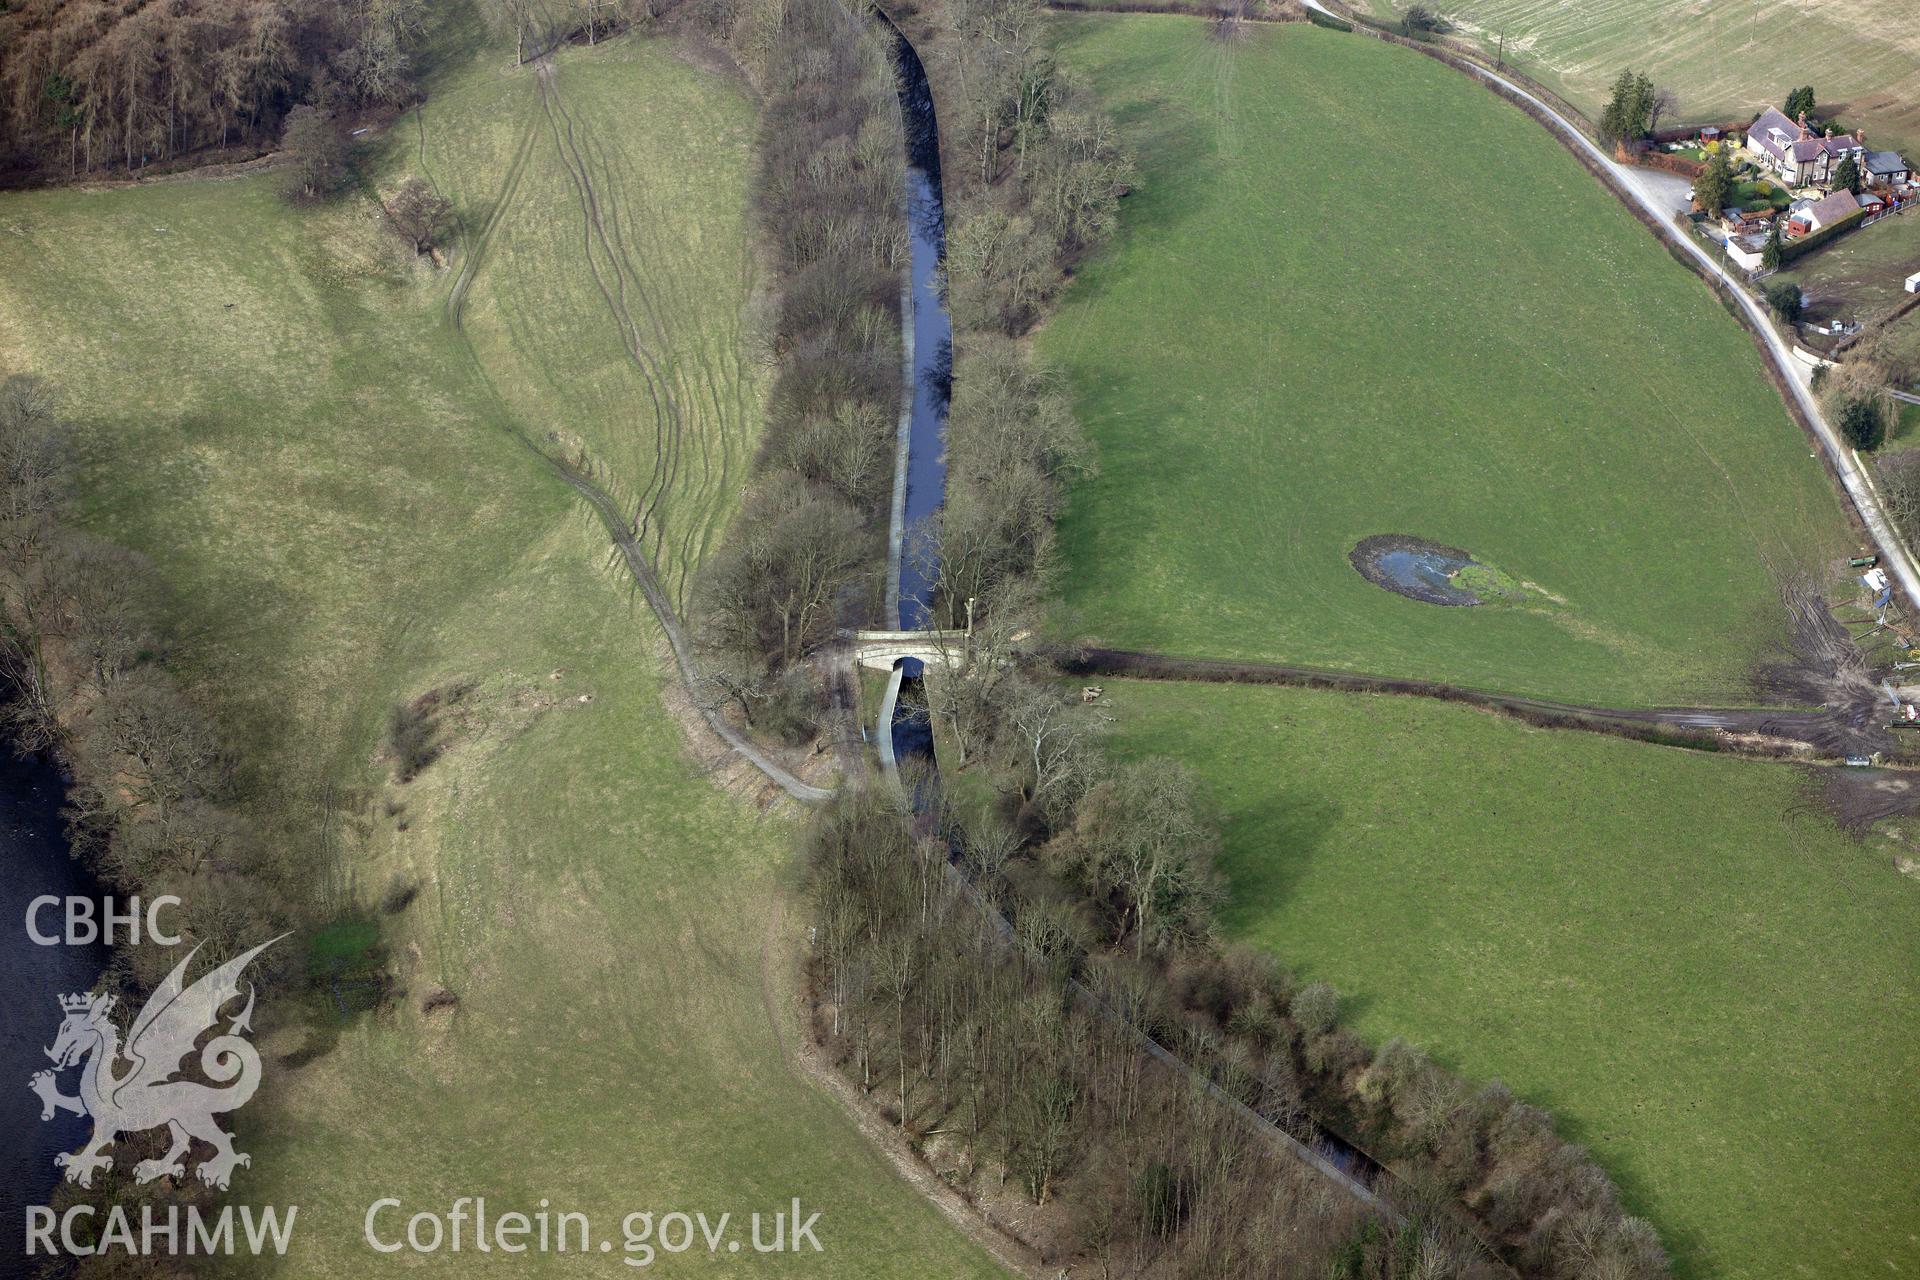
{"x":1678,"y":954}
{"x":1355,"y":294}
{"x":278,"y":411}
{"x":1725,"y":59}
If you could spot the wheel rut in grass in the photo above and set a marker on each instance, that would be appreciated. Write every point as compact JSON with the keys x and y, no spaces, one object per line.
{"x":681,"y":504}
{"x":623,"y":530}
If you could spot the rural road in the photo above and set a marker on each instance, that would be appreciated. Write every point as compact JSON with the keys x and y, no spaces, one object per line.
{"x":1654,"y":191}
{"x":1907,"y":396}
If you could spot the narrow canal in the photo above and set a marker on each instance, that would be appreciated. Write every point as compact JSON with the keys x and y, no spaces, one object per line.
{"x":921,"y":474}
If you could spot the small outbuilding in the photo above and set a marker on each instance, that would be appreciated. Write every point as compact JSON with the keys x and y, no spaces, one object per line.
{"x":1830,"y":210}
{"x":1913,"y":283}
{"x":1746,"y":252}
{"x":1886,"y":168}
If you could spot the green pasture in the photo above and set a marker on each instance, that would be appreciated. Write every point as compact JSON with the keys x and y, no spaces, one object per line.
{"x":1678,"y":954}
{"x":278,"y":410}
{"x":1353,"y":294}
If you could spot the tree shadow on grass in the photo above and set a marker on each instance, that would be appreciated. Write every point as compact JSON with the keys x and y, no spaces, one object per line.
{"x":1277,"y":839}
{"x":1170,"y":144}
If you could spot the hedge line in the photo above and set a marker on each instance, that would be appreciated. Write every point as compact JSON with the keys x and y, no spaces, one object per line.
{"x":1792,"y":249}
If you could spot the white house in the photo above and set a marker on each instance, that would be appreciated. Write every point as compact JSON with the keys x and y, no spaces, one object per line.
{"x":1746,"y":252}
{"x":1798,"y":155}
{"x":1885,"y":169}
{"x":1824,"y":212}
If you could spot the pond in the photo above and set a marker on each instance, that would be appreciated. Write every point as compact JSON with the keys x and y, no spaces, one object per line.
{"x":1420,"y":570}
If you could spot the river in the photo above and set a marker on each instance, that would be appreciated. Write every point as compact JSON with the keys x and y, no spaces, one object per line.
{"x":32,"y":978}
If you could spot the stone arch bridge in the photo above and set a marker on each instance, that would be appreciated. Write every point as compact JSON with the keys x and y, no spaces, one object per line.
{"x":881,"y":649}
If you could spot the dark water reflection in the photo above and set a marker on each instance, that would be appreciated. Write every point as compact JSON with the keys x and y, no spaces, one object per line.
{"x":34,"y":861}
{"x":932,"y":343}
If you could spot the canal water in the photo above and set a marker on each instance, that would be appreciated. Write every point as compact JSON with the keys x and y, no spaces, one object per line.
{"x":929,"y":372}
{"x":931,"y":366}
{"x":925,"y":472}
{"x":33,"y":861}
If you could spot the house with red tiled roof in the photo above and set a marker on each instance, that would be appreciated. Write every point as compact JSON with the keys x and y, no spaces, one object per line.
{"x":1799,"y":156}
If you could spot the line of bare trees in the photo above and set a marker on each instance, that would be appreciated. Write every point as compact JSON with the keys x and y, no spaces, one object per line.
{"x":153,"y":805}
{"x":1035,"y":170}
{"x":87,"y":84}
{"x":1106,"y":871}
{"x":540,"y":26}
{"x":805,"y":551}
{"x":1017,"y":1087}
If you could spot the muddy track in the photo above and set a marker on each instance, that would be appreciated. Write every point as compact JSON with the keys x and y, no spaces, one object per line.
{"x":599,"y":242}
{"x":618,"y":526}
{"x":1734,"y":730}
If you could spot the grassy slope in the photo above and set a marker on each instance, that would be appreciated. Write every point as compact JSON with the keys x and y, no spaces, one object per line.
{"x":1725,"y":58}
{"x":1356,"y":294}
{"x":538,"y":317}
{"x":1720,"y":996}
{"x":1702,"y":977}
{"x":283,"y":422}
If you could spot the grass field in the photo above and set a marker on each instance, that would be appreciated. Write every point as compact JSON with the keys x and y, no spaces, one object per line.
{"x":1861,"y":276}
{"x":1442,"y":327}
{"x":1709,"y":984}
{"x":280,"y":415}
{"x":1724,"y":58}
{"x":624,"y":335}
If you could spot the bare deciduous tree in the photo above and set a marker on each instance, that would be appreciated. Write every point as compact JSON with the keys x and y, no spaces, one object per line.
{"x":420,"y":214}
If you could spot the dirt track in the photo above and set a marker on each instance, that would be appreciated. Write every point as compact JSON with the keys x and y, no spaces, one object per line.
{"x":1771,"y":733}
{"x":626,"y":533}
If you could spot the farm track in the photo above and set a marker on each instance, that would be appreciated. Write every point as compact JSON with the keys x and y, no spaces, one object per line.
{"x":702,"y":431}
{"x":1835,"y":731}
{"x":623,"y":529}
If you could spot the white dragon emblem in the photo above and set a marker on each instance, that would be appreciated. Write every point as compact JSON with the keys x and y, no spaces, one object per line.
{"x":149,"y":1092}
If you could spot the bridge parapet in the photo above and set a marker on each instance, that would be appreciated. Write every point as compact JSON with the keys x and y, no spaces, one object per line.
{"x":882,"y":649}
